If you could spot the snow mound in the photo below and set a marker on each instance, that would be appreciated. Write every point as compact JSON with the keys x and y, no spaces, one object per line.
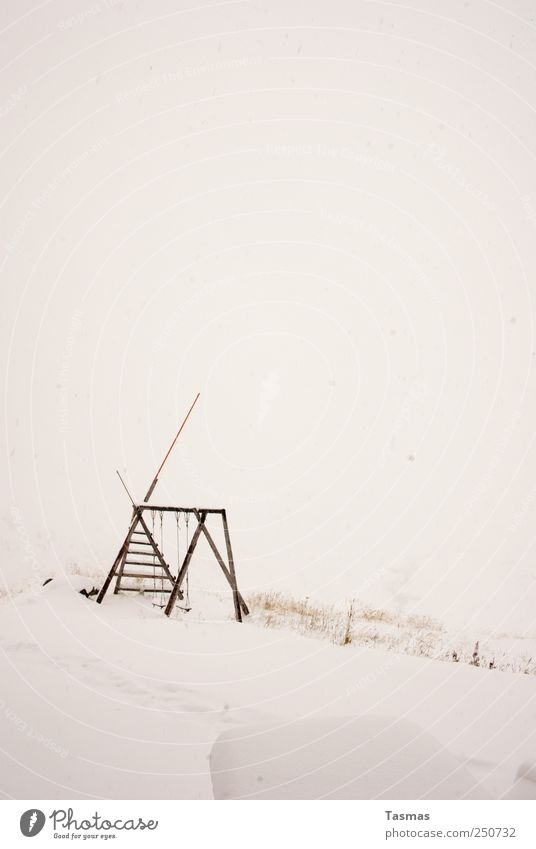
{"x":525,"y":783}
{"x":364,"y":757}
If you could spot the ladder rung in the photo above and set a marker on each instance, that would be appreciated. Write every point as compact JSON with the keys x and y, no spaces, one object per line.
{"x":144,"y":575}
{"x":141,"y":542}
{"x":143,"y":553}
{"x":143,"y":590}
{"x":142,"y":563}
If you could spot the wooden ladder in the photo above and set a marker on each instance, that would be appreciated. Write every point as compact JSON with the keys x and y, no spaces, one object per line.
{"x":142,"y":560}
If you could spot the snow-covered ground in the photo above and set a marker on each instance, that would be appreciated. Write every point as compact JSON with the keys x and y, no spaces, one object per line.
{"x":116,"y":701}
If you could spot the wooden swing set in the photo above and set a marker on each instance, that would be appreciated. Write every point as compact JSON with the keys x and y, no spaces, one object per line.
{"x":142,"y":558}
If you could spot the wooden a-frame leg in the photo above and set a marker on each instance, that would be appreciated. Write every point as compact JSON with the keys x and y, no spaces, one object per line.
{"x":225,"y":570}
{"x":120,"y":569}
{"x":232,"y":573}
{"x":117,"y":561}
{"x":186,"y":562}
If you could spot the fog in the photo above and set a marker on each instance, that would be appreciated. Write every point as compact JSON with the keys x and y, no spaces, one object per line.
{"x":322,"y":217}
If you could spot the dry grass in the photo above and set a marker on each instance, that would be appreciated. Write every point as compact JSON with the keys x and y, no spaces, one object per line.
{"x":361,"y":625}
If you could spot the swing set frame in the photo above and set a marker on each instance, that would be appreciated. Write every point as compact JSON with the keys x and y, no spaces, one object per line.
{"x":200,"y":514}
{"x":139,"y":527}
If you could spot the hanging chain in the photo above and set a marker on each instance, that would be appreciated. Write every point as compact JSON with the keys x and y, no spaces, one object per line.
{"x":177,"y":519}
{"x":187,"y":520}
{"x":154,"y":559}
{"x":162,"y":550}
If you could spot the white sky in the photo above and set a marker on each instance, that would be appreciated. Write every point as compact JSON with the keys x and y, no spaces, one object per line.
{"x":321,"y":215}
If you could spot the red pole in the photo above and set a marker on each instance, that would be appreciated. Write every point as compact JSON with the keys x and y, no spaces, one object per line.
{"x":170,"y":449}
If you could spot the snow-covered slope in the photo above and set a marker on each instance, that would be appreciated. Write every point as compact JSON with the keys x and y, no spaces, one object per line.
{"x":117,"y":701}
{"x":346,"y":757}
